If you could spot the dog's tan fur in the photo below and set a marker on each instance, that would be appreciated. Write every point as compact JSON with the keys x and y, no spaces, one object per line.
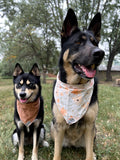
{"x":21,"y":148}
{"x":66,"y":135}
{"x":72,"y":77}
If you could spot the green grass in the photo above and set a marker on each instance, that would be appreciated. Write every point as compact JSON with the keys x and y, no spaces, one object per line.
{"x":108,"y":121}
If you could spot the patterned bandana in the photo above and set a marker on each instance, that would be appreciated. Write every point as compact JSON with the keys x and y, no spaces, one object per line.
{"x":73,"y":100}
{"x":28,"y":111}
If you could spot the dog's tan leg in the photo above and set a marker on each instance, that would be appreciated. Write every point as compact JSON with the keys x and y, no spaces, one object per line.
{"x":89,"y":139}
{"x":35,"y":146}
{"x":58,"y":141}
{"x":21,"y":146}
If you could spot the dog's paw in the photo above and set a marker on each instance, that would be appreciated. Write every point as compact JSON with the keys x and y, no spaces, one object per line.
{"x":15,"y":139}
{"x":14,"y":150}
{"x":21,"y":157}
{"x":34,"y":157}
{"x":57,"y":158}
{"x":94,"y":156}
{"x":45,"y":143}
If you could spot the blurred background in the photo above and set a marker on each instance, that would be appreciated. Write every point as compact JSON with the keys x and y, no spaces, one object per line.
{"x":30,"y":32}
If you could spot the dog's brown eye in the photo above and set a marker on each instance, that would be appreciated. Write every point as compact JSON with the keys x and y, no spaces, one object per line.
{"x":84,"y":37}
{"x":31,"y":85}
{"x":94,"y":42}
{"x":77,"y":42}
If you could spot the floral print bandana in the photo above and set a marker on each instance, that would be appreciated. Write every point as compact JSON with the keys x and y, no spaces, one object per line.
{"x":73,"y":100}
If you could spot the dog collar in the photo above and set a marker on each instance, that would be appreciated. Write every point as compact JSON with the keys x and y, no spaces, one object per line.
{"x":28,"y":111}
{"x":73,"y":100}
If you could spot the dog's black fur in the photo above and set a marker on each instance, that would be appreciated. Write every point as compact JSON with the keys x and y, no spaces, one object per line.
{"x":27,"y":86}
{"x":80,"y":56}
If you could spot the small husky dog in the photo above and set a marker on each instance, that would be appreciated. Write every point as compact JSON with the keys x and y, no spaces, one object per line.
{"x":75,"y":102}
{"x":29,"y":111}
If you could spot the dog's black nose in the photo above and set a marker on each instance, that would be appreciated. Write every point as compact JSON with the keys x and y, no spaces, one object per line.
{"x":98,"y":54}
{"x":22,"y":94}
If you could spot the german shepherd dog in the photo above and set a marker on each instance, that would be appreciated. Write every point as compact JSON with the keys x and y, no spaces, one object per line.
{"x":79,"y":59}
{"x":29,"y":111}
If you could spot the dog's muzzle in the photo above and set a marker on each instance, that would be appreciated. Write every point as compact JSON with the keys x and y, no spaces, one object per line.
{"x":98,"y":55}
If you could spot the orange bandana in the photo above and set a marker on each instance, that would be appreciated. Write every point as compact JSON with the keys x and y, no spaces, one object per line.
{"x":73,"y":100}
{"x":28,"y":111}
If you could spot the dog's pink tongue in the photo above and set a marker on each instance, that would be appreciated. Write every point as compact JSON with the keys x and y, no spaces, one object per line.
{"x":23,"y":100}
{"x":88,"y":72}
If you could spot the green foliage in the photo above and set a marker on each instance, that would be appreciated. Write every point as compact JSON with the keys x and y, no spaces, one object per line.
{"x":28,"y":39}
{"x":33,"y":29}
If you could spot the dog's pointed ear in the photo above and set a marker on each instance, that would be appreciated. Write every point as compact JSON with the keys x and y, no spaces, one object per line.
{"x":35,"y":70}
{"x":70,"y":24}
{"x":18,"y":70}
{"x":95,"y":26}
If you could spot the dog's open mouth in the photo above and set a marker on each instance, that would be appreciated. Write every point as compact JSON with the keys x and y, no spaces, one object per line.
{"x":25,"y":100}
{"x":87,"y":71}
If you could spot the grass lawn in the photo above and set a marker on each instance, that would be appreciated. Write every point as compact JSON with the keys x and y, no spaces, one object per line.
{"x":108,"y":125}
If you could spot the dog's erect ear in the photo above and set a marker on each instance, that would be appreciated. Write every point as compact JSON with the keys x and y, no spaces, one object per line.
{"x":70,"y":24}
{"x":95,"y":26}
{"x":35,"y":70}
{"x":18,"y":70}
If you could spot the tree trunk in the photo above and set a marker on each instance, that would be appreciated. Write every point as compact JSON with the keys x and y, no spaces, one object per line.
{"x":67,"y":4}
{"x":44,"y":77}
{"x":109,"y":66}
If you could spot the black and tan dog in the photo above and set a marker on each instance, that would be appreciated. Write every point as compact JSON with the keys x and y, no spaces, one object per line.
{"x":75,"y":103}
{"x":29,"y":111}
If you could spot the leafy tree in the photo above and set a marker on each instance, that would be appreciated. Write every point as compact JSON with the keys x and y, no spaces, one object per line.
{"x":112,"y":34}
{"x":29,"y":36}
